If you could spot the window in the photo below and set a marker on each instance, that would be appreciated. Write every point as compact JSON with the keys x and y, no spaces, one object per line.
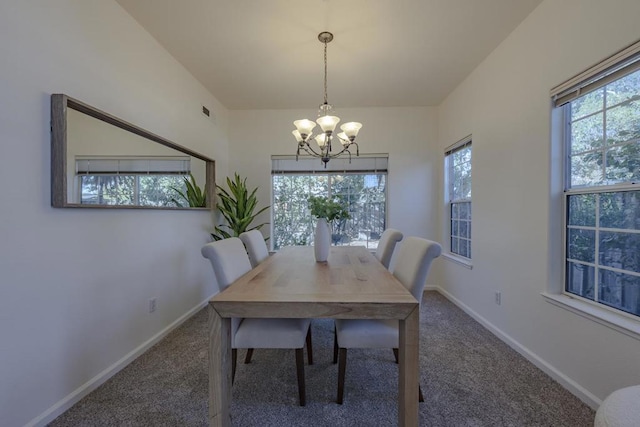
{"x":131,"y":181}
{"x":458,"y":197}
{"x":602,"y":185}
{"x":361,"y":185}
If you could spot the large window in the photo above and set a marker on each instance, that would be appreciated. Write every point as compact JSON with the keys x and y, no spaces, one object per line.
{"x":361,"y":185}
{"x":602,"y":187}
{"x":132,"y":190}
{"x":132,"y":181}
{"x":458,"y":197}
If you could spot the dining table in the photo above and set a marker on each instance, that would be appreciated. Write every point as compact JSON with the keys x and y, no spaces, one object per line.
{"x":351,"y":284}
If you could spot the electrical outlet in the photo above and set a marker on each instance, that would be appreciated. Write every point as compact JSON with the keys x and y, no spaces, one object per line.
{"x":498,"y":298}
{"x":152,"y":304}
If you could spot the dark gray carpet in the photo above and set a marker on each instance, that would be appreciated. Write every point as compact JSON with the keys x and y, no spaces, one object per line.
{"x":469,"y":378}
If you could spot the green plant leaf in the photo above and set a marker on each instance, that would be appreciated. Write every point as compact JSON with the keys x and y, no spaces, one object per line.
{"x":237,"y":205}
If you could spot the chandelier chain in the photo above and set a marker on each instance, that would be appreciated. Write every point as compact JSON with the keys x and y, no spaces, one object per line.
{"x":325,"y":72}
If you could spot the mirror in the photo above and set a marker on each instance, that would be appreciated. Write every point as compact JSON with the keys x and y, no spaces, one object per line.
{"x":101,"y":161}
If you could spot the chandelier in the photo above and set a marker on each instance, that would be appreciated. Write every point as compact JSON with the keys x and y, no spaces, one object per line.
{"x":327,"y":122}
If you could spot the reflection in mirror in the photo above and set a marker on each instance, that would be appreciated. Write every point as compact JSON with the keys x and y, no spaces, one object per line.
{"x":101,"y":161}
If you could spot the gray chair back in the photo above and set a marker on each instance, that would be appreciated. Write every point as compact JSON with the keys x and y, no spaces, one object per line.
{"x":229,"y":260}
{"x":413,"y":262}
{"x":386,"y":245}
{"x":256,"y":246}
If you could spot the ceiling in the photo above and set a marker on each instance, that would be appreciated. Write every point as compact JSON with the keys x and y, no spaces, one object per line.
{"x":265,"y":54}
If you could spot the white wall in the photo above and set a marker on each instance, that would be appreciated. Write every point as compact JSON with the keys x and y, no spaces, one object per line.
{"x":404,"y":133}
{"x":75,"y":283}
{"x":505,"y":104}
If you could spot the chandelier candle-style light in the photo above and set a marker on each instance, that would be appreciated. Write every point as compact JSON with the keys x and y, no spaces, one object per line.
{"x":328,"y":123}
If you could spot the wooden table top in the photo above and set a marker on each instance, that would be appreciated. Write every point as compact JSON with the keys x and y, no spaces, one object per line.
{"x":290,"y":283}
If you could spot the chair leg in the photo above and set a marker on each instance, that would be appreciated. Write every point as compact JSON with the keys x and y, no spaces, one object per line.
{"x":309,"y":347}
{"x":420,"y":396}
{"x":234,"y":359}
{"x":335,"y":347}
{"x":300,"y":372}
{"x":247,"y":358}
{"x":341,"y":373}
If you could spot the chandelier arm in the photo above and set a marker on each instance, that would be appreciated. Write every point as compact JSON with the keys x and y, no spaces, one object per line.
{"x":310,"y":151}
{"x":345,"y":149}
{"x":306,"y":147}
{"x":357,"y":148}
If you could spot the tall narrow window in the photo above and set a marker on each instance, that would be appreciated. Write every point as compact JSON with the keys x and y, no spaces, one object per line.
{"x":602,"y":185}
{"x":360,"y":185}
{"x":458,"y":197}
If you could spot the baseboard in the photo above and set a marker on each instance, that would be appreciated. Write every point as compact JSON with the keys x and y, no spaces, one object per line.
{"x":75,"y":396}
{"x":573,"y":387}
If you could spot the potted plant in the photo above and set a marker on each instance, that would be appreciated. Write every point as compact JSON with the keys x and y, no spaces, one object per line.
{"x":326,"y":211}
{"x":237,"y":207}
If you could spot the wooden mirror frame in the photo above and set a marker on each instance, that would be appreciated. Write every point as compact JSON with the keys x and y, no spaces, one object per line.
{"x":59,"y":105}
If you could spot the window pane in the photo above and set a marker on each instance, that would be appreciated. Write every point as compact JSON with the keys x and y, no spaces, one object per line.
{"x":161,"y":190}
{"x":462,"y":248}
{"x":587,"y":134}
{"x":620,"y":290}
{"x":580,"y":279}
{"x":461,"y":174}
{"x":463,"y":229}
{"x":623,"y":163}
{"x":581,"y":245}
{"x":107,"y":189}
{"x":582,"y":210}
{"x":587,"y":104}
{"x":620,"y":250}
{"x":292,"y":222}
{"x":586,"y":169}
{"x":623,"y":89}
{"x":454,"y":245}
{"x":623,"y":123}
{"x":454,"y":228}
{"x":365,"y":197}
{"x":454,"y":210}
{"x":620,"y":210}
{"x":463,"y":210}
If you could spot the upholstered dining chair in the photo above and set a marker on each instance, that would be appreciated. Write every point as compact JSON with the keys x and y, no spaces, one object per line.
{"x":257,"y":249}
{"x":230,"y":261}
{"x":255,"y":245}
{"x":387,"y":243}
{"x":412,"y":266}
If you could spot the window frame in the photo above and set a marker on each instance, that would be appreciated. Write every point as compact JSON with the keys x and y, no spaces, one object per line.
{"x":618,"y":65}
{"x":596,"y":190}
{"x":328,"y":174}
{"x":449,"y":201}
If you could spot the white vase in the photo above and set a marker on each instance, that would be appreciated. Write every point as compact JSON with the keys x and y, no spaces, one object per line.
{"x":322,"y":240}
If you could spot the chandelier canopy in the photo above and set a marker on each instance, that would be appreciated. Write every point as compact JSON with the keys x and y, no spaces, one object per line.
{"x":328,"y":123}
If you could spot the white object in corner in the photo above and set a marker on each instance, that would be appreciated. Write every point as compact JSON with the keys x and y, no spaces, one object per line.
{"x":620,"y":409}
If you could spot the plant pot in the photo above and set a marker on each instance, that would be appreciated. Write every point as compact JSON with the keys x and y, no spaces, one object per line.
{"x":322,"y":240}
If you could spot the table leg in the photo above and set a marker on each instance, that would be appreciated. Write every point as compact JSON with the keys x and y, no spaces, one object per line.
{"x":219,"y":369}
{"x":409,"y":370}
